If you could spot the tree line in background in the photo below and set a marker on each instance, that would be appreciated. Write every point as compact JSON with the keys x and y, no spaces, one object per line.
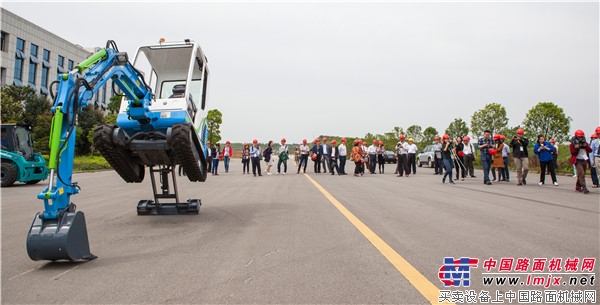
{"x":20,"y":104}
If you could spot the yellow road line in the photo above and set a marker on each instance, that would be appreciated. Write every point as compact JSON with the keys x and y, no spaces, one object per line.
{"x":423,"y":285}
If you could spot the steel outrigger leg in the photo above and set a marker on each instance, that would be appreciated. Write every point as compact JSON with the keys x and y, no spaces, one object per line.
{"x":167,"y":191}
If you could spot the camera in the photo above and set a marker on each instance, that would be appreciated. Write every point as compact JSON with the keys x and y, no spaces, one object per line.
{"x":578,"y":141}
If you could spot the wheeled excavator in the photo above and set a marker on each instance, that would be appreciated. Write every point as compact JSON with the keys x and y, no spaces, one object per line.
{"x":161,"y":124}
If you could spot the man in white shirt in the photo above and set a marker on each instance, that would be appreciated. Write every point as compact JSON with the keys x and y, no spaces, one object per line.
{"x":343,"y":154}
{"x":326,"y":156}
{"x":402,"y":150}
{"x":304,"y":150}
{"x":470,"y":156}
{"x":412,"y":153}
{"x":372,"y":156}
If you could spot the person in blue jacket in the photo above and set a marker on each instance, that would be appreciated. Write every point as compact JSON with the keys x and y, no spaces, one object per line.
{"x":544,"y":151}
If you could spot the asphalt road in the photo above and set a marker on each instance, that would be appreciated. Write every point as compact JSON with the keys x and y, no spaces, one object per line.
{"x":280,"y":239}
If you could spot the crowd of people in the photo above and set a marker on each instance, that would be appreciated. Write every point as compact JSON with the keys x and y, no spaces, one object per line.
{"x":453,"y":158}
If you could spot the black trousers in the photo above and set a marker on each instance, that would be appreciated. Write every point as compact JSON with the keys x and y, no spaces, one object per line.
{"x":303,"y":160}
{"x":256,"y":166}
{"x":318,"y":164}
{"x":412,"y":164}
{"x":246,"y":165}
{"x":403,"y":164}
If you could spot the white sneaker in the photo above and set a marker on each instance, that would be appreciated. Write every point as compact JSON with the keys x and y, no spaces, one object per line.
{"x":541,"y":183}
{"x":555,"y":183}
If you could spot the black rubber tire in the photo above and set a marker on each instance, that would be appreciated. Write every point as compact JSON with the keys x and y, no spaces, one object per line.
{"x":33,"y":182}
{"x":130,"y":171}
{"x":8,"y":174}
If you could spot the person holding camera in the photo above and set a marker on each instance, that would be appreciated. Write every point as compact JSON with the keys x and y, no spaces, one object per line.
{"x":402,"y":150}
{"x":486,"y":143}
{"x":447,"y":149}
{"x":520,"y":156}
{"x":544,"y":150}
{"x":579,"y":157}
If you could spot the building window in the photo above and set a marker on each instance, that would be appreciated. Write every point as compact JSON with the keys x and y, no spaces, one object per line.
{"x":33,"y":63}
{"x":2,"y":77}
{"x":70,"y":65}
{"x":19,"y":56}
{"x":45,"y":71}
{"x":3,"y":46}
{"x":60,"y":69}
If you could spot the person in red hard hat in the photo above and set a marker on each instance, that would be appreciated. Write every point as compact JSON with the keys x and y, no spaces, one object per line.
{"x":519,"y":145}
{"x":580,"y":151}
{"x":486,"y":143}
{"x":595,"y":154}
{"x":334,"y":156}
{"x":246,"y":159}
{"x":357,"y":156}
{"x":317,"y":155}
{"x":283,"y":156}
{"x":372,"y":150}
{"x":326,"y":159}
{"x":459,"y":160}
{"x":497,"y":161}
{"x":447,"y":148}
{"x":304,"y":150}
{"x":255,"y":154}
{"x":470,"y":155}
{"x":402,"y":151}
{"x":343,"y":155}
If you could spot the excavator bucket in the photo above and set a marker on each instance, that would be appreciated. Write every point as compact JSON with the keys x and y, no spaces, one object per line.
{"x":62,"y":238}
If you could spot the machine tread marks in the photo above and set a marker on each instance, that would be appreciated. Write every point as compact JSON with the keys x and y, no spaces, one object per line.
{"x":9,"y":174}
{"x":118,"y":160}
{"x":181,"y":140}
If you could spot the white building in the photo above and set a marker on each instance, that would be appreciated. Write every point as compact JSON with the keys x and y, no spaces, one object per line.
{"x":31,"y":56}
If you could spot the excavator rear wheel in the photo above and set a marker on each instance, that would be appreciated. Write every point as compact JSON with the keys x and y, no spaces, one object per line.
{"x":188,"y":152}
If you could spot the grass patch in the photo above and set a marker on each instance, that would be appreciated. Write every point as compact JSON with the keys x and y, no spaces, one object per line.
{"x":90,"y":163}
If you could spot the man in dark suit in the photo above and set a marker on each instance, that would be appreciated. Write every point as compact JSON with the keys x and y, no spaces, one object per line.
{"x":318,"y":151}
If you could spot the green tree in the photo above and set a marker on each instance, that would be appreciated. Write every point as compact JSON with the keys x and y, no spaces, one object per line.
{"x":398,"y":131}
{"x":10,"y":108}
{"x":41,"y":133}
{"x":458,"y":127}
{"x":87,"y":120}
{"x":492,"y":117}
{"x":414,"y":131}
{"x":110,"y":118}
{"x":214,"y":119}
{"x":548,"y":120}
{"x":115,"y":104}
{"x":35,"y":106}
{"x":429,"y":135}
{"x":13,"y":99}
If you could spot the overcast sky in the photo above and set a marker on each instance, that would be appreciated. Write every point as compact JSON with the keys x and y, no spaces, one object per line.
{"x":301,"y":69}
